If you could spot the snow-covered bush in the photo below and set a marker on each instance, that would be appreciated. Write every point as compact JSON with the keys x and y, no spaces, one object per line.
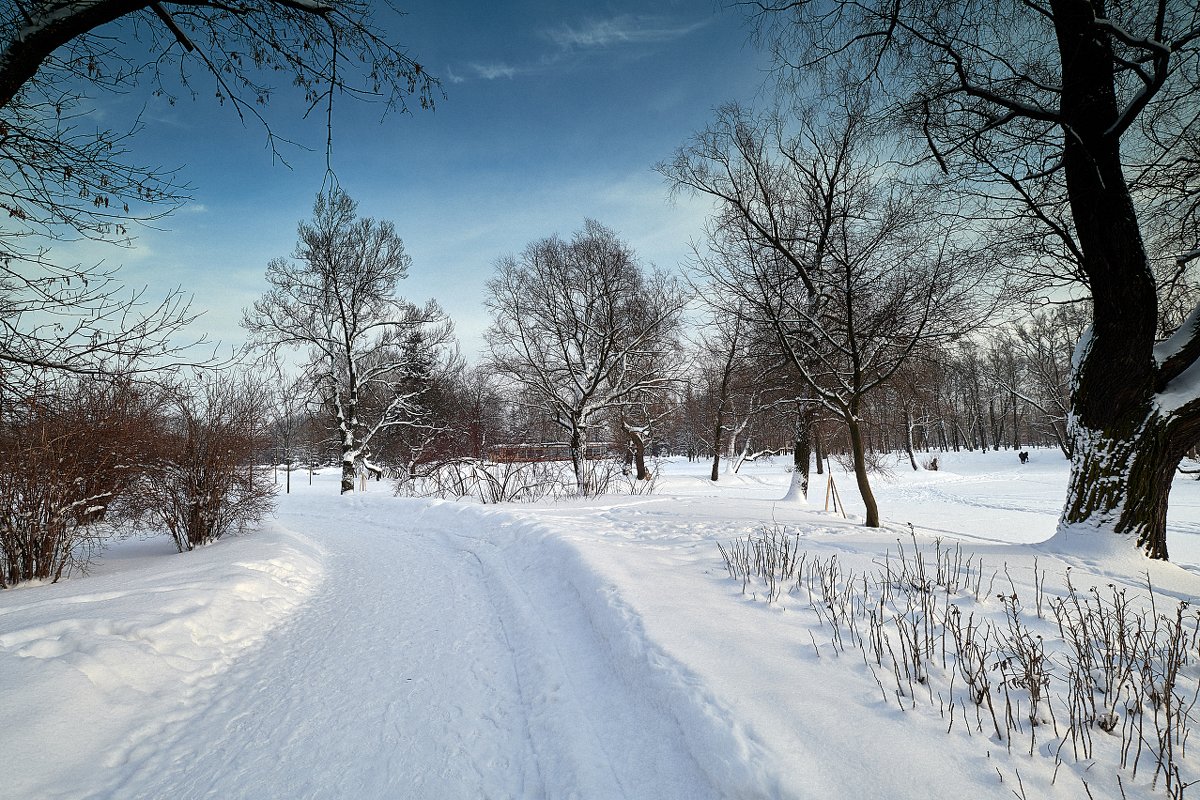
{"x":203,"y":483}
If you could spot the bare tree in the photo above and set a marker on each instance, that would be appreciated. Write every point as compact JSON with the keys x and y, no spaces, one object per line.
{"x":1044,"y":345}
{"x":62,"y":176}
{"x":738,"y":382}
{"x":368,"y":349}
{"x":583,"y":330}
{"x":911,"y":389}
{"x":287,"y":411}
{"x":1071,"y":120}
{"x":430,"y":431}
{"x":479,"y":411}
{"x":843,"y":261}
{"x":81,"y":322}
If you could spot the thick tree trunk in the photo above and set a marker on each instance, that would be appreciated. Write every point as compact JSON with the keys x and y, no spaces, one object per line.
{"x":347,"y":447}
{"x":859,"y":454}
{"x":1125,"y":449}
{"x":1121,"y":483}
{"x":639,"y":454}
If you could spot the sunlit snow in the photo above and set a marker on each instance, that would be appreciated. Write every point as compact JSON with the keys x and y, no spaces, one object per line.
{"x":370,"y":646}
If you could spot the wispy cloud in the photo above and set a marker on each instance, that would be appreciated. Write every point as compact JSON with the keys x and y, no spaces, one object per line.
{"x":487,"y":71}
{"x":620,"y":30}
{"x":573,"y":42}
{"x":491,"y":72}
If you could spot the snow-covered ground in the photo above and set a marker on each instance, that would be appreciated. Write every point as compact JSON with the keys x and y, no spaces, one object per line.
{"x":373,"y":646}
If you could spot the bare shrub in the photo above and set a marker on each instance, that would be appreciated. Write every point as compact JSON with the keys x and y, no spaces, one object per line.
{"x":203,"y":482}
{"x":67,"y":456}
{"x":487,"y":481}
{"x":522,"y":481}
{"x":1100,"y":676}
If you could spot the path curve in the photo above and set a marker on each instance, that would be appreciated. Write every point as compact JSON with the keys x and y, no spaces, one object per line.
{"x":428,"y":665}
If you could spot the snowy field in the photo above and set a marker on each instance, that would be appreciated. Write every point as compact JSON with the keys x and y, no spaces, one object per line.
{"x":379,"y":647}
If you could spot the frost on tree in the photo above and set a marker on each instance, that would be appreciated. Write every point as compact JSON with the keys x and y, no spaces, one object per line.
{"x":586,"y":333}
{"x":371,"y":353}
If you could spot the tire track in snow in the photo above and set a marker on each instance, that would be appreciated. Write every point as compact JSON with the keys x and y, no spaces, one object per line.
{"x":611,"y":714}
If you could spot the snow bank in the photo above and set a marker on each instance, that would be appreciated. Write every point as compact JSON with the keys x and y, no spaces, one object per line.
{"x":93,"y":667}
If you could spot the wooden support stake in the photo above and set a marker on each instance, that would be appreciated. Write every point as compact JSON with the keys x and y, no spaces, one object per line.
{"x":838,"y":505}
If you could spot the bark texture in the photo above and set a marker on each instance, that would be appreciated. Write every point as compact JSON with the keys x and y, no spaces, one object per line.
{"x":1126,"y":447}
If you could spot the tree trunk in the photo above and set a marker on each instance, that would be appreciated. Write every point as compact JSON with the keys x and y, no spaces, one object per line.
{"x":1122,"y":483}
{"x":819,"y":448}
{"x":578,"y":465}
{"x":345,"y":419}
{"x":1063,"y":438}
{"x":639,"y":455}
{"x":801,"y":457}
{"x":858,"y":451}
{"x":908,"y":438}
{"x":997,"y":426}
{"x":716,"y":447}
{"x":1125,"y":449}
{"x":1016,"y":428}
{"x":348,"y":454}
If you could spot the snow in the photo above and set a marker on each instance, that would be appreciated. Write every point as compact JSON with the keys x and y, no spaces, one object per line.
{"x":1182,"y":390}
{"x":376,"y":646}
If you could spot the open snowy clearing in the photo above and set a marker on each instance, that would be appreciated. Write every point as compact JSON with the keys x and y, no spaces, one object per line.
{"x":374,"y":646}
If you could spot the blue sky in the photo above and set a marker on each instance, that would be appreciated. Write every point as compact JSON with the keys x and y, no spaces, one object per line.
{"x":553,"y":112}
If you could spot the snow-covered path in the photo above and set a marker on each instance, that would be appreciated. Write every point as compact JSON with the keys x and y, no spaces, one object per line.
{"x":371,"y":646}
{"x":425,"y":666}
